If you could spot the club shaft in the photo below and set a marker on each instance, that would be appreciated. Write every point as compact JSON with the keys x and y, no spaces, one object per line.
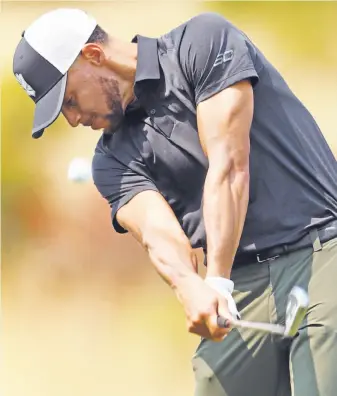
{"x":263,"y":327}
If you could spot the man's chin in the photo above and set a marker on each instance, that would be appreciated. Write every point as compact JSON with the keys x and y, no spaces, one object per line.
{"x":96,"y":128}
{"x":102,"y":125}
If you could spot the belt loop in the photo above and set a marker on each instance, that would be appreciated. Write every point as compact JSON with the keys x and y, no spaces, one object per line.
{"x":316,"y":243}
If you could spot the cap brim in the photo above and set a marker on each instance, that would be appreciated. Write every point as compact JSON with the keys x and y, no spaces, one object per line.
{"x":49,"y":108}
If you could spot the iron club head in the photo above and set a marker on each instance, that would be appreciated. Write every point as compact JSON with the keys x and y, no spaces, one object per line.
{"x":297,"y":307}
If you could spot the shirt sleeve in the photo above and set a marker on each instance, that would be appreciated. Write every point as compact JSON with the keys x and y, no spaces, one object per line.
{"x":215,"y":55}
{"x":118,"y":184}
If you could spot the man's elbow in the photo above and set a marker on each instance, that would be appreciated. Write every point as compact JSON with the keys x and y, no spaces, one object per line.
{"x":241,"y":179}
{"x":230,"y":168}
{"x":157,"y":241}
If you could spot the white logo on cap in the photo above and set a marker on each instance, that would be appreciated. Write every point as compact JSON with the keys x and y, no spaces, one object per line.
{"x":30,"y":91}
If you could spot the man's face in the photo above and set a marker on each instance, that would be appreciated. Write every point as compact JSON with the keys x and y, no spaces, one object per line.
{"x":92,"y":96}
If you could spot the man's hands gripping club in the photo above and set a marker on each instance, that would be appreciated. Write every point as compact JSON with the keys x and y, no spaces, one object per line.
{"x":204,"y":302}
{"x":151,"y":221}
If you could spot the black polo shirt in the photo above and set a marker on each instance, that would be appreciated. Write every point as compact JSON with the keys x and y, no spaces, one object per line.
{"x":292,"y":170}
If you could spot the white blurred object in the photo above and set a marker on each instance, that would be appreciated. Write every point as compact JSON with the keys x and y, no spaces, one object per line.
{"x":79,"y":170}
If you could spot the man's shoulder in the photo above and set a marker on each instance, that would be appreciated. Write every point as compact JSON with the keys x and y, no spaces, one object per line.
{"x":202,"y":20}
{"x":207,"y":18}
{"x":118,"y":150}
{"x":100,"y":159}
{"x":106,"y":168}
{"x":99,"y":149}
{"x":103,"y":156}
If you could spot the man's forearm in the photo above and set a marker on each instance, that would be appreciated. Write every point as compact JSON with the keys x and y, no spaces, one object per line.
{"x":224,"y":123}
{"x":172,"y":257}
{"x":226,"y":195}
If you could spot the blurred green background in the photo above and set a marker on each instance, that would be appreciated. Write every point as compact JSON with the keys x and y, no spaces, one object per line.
{"x":84,"y":313}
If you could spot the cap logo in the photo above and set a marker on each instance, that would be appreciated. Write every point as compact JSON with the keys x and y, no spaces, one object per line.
{"x":30,"y":91}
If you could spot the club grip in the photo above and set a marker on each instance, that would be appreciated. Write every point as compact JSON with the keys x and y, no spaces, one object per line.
{"x":222,"y":322}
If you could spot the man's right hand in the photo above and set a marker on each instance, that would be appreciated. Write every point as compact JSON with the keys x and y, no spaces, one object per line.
{"x":202,"y":306}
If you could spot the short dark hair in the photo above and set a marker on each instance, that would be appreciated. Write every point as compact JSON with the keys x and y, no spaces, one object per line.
{"x":98,"y":36}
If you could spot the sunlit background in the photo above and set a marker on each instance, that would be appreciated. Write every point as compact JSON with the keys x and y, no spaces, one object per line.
{"x":84,"y":313}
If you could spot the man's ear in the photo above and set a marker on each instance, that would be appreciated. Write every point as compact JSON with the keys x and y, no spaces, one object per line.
{"x":93,"y":53}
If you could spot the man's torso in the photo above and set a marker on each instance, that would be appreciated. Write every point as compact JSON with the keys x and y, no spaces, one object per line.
{"x":292,"y":171}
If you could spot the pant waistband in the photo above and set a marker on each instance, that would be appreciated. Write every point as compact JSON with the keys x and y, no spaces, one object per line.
{"x":314,"y":238}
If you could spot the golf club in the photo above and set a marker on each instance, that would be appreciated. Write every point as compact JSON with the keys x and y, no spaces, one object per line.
{"x":297,"y":306}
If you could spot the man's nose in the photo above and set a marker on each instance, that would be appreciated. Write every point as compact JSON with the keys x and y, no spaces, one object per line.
{"x":72,"y":116}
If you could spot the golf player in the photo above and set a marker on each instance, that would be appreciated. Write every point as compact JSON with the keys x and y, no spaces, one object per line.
{"x":204,"y":144}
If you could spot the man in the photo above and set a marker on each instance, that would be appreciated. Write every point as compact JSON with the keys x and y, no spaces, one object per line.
{"x":205,"y":145}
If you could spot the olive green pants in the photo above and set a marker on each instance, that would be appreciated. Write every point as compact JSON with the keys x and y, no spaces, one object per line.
{"x":247,"y":363}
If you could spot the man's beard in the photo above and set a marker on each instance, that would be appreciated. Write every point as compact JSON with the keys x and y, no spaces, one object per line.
{"x":113,"y":98}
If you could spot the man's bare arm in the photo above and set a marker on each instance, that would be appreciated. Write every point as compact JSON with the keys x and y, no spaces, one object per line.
{"x":151,"y":221}
{"x":224,"y":122}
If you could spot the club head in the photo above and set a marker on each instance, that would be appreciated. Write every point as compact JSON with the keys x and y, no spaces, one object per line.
{"x":297,"y":307}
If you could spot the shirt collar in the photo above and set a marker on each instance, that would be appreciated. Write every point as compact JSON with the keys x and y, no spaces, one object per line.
{"x":147,"y":59}
{"x":147,"y":69}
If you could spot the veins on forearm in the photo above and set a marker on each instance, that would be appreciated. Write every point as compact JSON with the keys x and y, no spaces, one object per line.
{"x":225,"y":205}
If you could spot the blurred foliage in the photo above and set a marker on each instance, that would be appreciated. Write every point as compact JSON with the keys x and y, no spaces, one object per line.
{"x":84,"y":313}
{"x":302,"y":26}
